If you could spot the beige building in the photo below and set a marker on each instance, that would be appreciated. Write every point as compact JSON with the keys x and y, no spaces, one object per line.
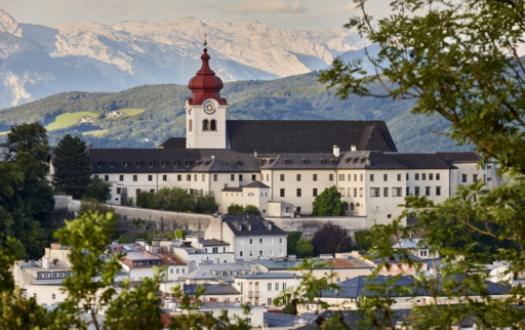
{"x":281,"y":166}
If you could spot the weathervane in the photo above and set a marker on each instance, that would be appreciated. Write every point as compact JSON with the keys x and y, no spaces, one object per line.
{"x":205,"y":43}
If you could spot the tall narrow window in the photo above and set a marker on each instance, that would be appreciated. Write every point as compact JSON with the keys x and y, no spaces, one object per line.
{"x":213,"y":125}
{"x":190,"y":125}
{"x":205,"y":124}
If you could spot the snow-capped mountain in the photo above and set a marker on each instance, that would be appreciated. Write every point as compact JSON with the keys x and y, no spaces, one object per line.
{"x":37,"y":61}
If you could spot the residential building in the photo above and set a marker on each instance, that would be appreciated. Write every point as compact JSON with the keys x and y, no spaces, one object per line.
{"x":260,"y":289}
{"x":250,"y":237}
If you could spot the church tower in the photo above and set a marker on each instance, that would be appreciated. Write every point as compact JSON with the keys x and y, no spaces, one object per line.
{"x":205,"y":109}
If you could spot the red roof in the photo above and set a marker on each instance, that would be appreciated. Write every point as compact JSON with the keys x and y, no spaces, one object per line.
{"x":205,"y":84}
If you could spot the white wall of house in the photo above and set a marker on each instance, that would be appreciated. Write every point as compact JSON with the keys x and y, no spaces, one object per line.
{"x":259,"y":247}
{"x":262,"y":291}
{"x":298,"y":186}
{"x":45,"y":295}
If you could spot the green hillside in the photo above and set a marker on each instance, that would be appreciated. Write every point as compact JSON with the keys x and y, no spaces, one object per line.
{"x":153,"y":113}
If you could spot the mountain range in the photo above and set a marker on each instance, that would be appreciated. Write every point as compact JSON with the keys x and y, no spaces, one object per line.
{"x":131,"y":79}
{"x":145,"y":116}
{"x":38,"y":61}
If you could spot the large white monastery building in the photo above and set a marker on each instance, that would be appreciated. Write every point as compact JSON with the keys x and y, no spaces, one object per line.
{"x":281,"y":166}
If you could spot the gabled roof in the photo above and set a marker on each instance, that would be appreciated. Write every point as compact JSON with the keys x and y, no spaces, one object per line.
{"x":268,"y":276}
{"x":255,"y":184}
{"x":359,"y":287}
{"x":251,"y":225}
{"x":211,"y":289}
{"x":232,"y":189}
{"x":174,"y":143}
{"x":307,"y":136}
{"x":131,"y":160}
{"x":213,"y":242}
{"x":460,"y":157}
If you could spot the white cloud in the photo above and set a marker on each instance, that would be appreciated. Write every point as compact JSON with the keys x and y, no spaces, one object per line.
{"x":269,"y":6}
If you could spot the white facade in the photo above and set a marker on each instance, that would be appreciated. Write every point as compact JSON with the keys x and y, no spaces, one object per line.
{"x":262,"y":288}
{"x":249,"y":239}
{"x":373,"y":193}
{"x":206,"y":125}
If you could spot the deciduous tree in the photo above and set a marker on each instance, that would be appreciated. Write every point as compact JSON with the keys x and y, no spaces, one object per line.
{"x":330,"y":239}
{"x":329,"y":203}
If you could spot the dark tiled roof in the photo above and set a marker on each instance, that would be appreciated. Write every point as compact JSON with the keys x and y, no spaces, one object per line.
{"x":460,"y":157}
{"x":211,"y":289}
{"x":357,"y":287}
{"x":213,"y":242}
{"x":174,"y":143}
{"x":281,"y":320}
{"x":303,"y":161}
{"x":307,"y":136}
{"x":358,"y":160}
{"x":232,"y":189}
{"x":255,"y":184}
{"x":170,"y":160}
{"x":268,"y":276}
{"x":249,"y":225}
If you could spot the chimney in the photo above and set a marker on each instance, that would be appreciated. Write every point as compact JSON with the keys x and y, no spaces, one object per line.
{"x":336,"y":151}
{"x":353,"y":147}
{"x":255,"y":154}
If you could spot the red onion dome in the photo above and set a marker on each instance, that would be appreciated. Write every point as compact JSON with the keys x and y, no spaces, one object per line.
{"x":205,"y":84}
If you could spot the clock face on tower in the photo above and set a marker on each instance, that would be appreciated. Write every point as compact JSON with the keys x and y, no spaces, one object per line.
{"x":209,"y":107}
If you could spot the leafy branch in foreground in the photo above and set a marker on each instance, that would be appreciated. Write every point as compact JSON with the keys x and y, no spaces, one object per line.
{"x":456,"y":58}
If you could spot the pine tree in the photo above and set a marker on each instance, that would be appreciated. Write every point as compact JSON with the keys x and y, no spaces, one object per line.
{"x":72,"y":168}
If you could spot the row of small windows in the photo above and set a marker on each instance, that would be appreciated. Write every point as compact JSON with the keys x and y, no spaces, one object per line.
{"x":275,"y":286}
{"x":46,"y":275}
{"x":398,"y":191}
{"x":351,"y":192}
{"x":261,"y":253}
{"x":261,"y":241}
{"x":163,"y":163}
{"x":135,"y":177}
{"x":464,"y":178}
{"x":315,"y":176}
{"x":417,"y":176}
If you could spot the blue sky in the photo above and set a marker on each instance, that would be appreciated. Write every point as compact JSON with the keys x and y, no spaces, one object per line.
{"x":302,"y":14}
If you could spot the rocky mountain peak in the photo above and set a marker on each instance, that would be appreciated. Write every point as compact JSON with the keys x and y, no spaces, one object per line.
{"x":8,"y":24}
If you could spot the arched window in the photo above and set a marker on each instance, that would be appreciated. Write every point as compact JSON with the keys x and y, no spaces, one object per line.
{"x":205,"y":125}
{"x":351,"y":206}
{"x":213,"y":125}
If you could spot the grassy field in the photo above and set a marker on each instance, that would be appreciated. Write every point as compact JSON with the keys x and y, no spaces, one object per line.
{"x":66,"y":120}
{"x":97,"y":132}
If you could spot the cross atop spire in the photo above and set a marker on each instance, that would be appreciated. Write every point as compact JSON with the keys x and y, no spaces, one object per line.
{"x":205,"y":42}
